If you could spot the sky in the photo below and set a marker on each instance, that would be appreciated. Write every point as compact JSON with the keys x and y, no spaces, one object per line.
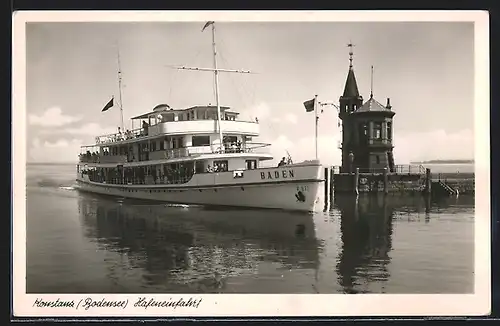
{"x":426,"y":68}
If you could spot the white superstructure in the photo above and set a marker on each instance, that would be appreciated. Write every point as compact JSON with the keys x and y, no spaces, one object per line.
{"x":197,"y":155}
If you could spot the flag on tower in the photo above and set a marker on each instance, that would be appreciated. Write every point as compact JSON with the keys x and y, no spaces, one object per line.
{"x":310,"y":104}
{"x":109,"y":105}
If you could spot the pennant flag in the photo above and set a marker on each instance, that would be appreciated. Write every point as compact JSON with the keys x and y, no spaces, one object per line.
{"x":309,"y":105}
{"x":207,"y":24}
{"x":109,"y":105}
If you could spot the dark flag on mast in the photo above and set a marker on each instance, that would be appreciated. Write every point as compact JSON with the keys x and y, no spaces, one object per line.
{"x":207,"y":24}
{"x":309,"y":105}
{"x":109,"y":105}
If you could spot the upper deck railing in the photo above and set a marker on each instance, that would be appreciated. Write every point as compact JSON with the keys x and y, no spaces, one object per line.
{"x":167,"y":154}
{"x":179,"y":127}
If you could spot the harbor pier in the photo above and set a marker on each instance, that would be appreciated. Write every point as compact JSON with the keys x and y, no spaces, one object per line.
{"x":407,"y":180}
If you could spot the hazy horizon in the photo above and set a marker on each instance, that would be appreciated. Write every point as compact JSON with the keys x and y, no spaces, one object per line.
{"x":426,"y":68}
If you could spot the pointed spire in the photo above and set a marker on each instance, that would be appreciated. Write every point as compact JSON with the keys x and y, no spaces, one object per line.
{"x":371,"y":84}
{"x":351,"y":86}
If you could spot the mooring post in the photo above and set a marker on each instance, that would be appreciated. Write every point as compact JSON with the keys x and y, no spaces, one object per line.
{"x":428,"y":180}
{"x":326,"y":187}
{"x":386,"y":182}
{"x":332,"y":184}
{"x":356,"y":181}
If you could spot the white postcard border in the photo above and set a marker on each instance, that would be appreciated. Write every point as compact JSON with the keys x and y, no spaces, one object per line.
{"x":257,"y":304}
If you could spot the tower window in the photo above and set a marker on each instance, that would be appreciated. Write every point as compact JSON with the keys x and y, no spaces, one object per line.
{"x":389,"y":130}
{"x":377,"y":130}
{"x":363,"y":132}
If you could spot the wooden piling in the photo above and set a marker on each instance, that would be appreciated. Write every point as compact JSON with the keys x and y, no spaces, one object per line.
{"x":332,"y":184}
{"x":428,"y":181}
{"x":386,"y":182}
{"x":356,"y":181}
{"x":326,"y":180}
{"x":327,"y":186}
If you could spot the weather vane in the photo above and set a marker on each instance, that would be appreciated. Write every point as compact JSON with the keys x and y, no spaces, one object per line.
{"x":350,"y":46}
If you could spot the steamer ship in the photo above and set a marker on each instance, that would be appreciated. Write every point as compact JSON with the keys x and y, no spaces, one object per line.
{"x":200,"y":155}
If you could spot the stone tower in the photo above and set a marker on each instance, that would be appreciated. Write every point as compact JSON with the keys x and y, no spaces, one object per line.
{"x":366,"y":129}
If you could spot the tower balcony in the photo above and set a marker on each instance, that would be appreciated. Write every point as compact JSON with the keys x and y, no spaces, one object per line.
{"x":370,"y":143}
{"x":386,"y":143}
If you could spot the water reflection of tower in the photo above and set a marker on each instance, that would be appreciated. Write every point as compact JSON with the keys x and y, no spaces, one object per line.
{"x":366,"y":227}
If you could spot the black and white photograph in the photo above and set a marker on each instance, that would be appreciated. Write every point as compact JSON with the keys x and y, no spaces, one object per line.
{"x":251,"y":163}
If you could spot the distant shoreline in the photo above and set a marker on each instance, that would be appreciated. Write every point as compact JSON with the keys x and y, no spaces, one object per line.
{"x":444,"y":162}
{"x":49,"y":163}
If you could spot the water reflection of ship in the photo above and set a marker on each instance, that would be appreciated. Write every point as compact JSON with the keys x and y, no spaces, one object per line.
{"x":366,"y":227}
{"x":198,"y":248}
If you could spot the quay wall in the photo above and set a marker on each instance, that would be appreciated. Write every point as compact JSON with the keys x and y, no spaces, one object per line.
{"x":375,"y":182}
{"x":436,"y":184}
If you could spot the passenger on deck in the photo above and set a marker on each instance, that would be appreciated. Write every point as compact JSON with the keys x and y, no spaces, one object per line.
{"x":145,"y":127}
{"x":282,"y":162}
{"x":209,"y":169}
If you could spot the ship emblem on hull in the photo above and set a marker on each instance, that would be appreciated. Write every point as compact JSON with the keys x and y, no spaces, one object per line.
{"x":300,"y":196}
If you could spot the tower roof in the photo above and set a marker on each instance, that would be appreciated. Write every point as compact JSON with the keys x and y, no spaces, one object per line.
{"x":351,"y":86}
{"x":372,"y":105}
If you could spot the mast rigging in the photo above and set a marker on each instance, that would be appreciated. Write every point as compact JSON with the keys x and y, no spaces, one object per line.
{"x":216,"y":71}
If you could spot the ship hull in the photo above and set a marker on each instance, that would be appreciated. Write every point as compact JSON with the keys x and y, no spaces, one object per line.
{"x":301,"y":194}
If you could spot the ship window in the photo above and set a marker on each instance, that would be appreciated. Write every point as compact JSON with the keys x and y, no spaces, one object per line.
{"x":162,"y":144}
{"x":199,"y":167}
{"x":251,"y":164}
{"x":230,"y":139}
{"x":220,"y":166}
{"x":153,"y":146}
{"x":201,"y":140}
{"x":377,"y":159}
{"x":175,"y":143}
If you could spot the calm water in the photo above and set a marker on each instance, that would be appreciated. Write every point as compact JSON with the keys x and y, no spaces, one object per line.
{"x":80,"y":243}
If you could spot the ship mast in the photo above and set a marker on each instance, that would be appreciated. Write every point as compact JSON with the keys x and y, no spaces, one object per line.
{"x":216,"y":71}
{"x":216,"y":77}
{"x":120,"y":87}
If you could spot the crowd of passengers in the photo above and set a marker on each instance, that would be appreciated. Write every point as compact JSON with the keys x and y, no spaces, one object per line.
{"x":141,"y":175}
{"x":93,"y":157}
{"x":128,"y":134}
{"x":222,"y":167}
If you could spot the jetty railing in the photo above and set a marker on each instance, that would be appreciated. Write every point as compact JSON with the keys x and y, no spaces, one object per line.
{"x":398,"y":169}
{"x":450,"y":176}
